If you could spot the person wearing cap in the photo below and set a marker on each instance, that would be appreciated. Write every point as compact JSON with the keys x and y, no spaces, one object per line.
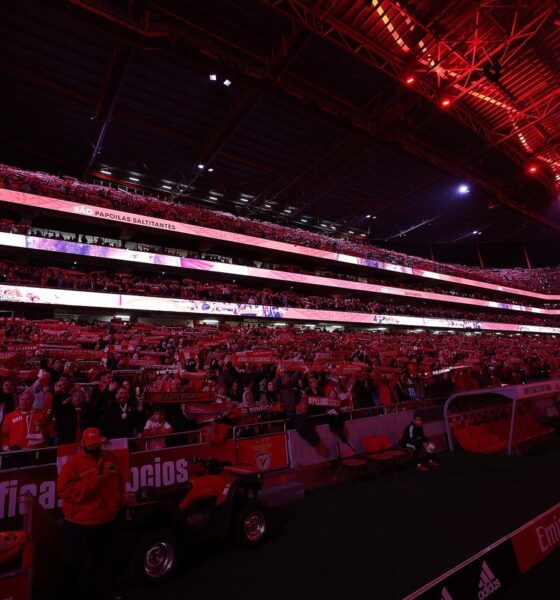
{"x":91,"y":486}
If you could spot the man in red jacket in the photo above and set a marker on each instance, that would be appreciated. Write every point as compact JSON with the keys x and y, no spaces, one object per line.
{"x":91,"y":487}
{"x":24,"y":427}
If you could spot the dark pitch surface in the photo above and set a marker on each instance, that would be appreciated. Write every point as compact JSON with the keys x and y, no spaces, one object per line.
{"x":385,"y":539}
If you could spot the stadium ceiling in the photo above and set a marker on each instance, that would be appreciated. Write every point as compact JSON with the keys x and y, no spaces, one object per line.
{"x":359,"y":116}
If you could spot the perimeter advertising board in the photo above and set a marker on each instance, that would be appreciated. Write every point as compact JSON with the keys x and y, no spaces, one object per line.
{"x":37,"y":295}
{"x":492,"y":571}
{"x":483,"y":579}
{"x":537,"y":539}
{"x":159,"y":468}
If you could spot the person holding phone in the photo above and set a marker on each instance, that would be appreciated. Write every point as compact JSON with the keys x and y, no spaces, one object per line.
{"x":91,"y":487}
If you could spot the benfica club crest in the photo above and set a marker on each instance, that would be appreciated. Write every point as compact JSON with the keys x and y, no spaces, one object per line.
{"x":263,"y":461}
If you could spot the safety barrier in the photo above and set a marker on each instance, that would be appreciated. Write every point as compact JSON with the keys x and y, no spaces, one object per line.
{"x":387,"y":409}
{"x":168,"y":465}
{"x":159,"y":467}
{"x":48,"y":455}
{"x":27,"y":457}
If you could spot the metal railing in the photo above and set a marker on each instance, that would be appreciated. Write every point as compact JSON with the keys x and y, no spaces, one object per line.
{"x":34,"y":457}
{"x":194,"y":436}
{"x":48,"y":455}
{"x":18,"y":459}
{"x":382,"y":410}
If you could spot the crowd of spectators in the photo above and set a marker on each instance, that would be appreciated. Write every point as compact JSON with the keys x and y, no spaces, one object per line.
{"x":58,"y":378}
{"x":542,"y":280}
{"x":166,"y":285}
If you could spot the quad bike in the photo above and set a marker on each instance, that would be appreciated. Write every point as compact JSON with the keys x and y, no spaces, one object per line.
{"x":11,"y":545}
{"x":16,"y":564}
{"x":219,"y":501}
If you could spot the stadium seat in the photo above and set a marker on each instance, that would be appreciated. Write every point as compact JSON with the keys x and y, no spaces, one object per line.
{"x":350,"y":463}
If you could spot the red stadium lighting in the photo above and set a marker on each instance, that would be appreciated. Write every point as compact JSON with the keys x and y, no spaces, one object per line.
{"x":532,"y":169}
{"x":445,"y":102}
{"x":410,"y":80}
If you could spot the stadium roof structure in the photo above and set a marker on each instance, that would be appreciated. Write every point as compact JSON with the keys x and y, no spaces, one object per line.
{"x":359,"y":116}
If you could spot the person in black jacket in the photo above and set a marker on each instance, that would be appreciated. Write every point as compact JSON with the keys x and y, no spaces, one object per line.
{"x":73,"y":416}
{"x":120,"y":419}
{"x":414,"y":438}
{"x":296,"y":411}
{"x":179,"y":418}
{"x":7,"y":399}
{"x":103,"y":393}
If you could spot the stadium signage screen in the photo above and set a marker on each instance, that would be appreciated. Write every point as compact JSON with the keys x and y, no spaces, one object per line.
{"x":66,"y":206}
{"x":102,"y":300}
{"x":138,"y":256}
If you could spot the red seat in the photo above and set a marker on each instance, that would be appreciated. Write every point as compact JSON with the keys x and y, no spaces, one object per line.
{"x":371,"y":443}
{"x":349,"y":460}
{"x":354,"y":462}
{"x":373,"y":447}
{"x":387,"y":447}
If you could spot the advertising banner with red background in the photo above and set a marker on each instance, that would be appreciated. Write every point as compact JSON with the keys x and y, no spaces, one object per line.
{"x":169,"y":466}
{"x":158,"y":468}
{"x":537,"y":539}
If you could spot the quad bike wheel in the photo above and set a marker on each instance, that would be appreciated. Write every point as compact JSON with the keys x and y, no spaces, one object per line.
{"x":251,"y":525}
{"x":155,"y":557}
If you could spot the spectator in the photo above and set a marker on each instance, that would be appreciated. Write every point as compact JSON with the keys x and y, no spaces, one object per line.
{"x":543,"y":279}
{"x":415,"y":439}
{"x":73,"y":416}
{"x":121,"y":419}
{"x":23,"y":429}
{"x":386,"y":394}
{"x":156,"y":425}
{"x":102,"y":394}
{"x":42,"y":396}
{"x":91,"y":486}
{"x":429,"y":362}
{"x":7,"y":399}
